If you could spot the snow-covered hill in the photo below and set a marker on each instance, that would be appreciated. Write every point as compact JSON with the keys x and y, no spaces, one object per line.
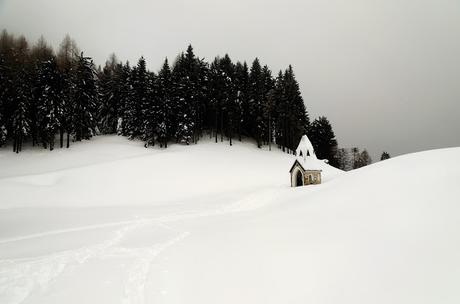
{"x":111,"y":222}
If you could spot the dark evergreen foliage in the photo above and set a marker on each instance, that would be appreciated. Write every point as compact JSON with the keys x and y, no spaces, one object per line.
{"x":165,"y":114}
{"x":5,"y":87}
{"x":43,"y":95}
{"x":86,"y":99}
{"x":20,"y":122}
{"x":109,"y":98}
{"x":50,"y":110}
{"x":385,"y":155}
{"x":323,"y":140}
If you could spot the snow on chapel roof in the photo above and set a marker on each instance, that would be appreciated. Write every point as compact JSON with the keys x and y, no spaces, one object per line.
{"x":305,"y":149}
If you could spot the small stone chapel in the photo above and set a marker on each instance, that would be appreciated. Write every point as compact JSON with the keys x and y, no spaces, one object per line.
{"x":303,"y":171}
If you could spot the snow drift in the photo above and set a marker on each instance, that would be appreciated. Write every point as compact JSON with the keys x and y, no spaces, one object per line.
{"x":112,"y":222}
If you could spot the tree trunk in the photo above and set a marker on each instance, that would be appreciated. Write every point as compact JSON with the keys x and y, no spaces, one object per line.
{"x":221,"y":126}
{"x":269,"y":132}
{"x":61,"y":137}
{"x":216,"y":126}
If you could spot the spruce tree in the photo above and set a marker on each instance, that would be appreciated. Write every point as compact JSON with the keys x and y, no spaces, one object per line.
{"x":20,"y":120}
{"x":193,"y":89}
{"x":39,"y":54}
{"x":186,"y":104}
{"x":323,"y":140}
{"x":164,"y":83}
{"x":202,"y":95}
{"x":109,"y":97}
{"x":281,"y":111}
{"x":355,"y":154}
{"x":67,"y":63}
{"x":150,"y":111}
{"x":229,"y":107}
{"x":217,"y":97}
{"x":125,"y":84}
{"x":242,"y":106}
{"x":86,"y":99}
{"x":50,"y":109}
{"x":131,"y":119}
{"x":268,"y":105}
{"x":297,"y":120}
{"x":5,"y":88}
{"x":256,"y":100}
{"x":141,"y":99}
{"x":385,"y":155}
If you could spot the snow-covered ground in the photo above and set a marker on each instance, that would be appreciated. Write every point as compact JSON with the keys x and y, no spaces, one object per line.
{"x":109,"y":221}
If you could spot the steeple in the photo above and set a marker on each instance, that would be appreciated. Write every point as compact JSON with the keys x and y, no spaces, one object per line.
{"x":305,"y":149}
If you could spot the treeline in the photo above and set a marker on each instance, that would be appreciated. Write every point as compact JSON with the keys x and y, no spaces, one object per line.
{"x":48,"y":97}
{"x":350,"y":159}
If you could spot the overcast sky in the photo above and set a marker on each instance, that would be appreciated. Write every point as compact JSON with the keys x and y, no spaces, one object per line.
{"x":385,"y":72}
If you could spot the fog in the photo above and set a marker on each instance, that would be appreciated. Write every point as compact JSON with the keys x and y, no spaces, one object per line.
{"x":385,"y":72}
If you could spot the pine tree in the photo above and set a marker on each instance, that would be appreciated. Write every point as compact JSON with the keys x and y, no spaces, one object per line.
{"x":20,"y":120}
{"x":135,"y":99}
{"x":186,"y":104}
{"x":86,"y":99}
{"x":109,"y":97}
{"x":385,"y":155}
{"x":241,"y":103}
{"x":269,"y":108}
{"x":217,"y":97}
{"x":5,"y":88}
{"x":132,"y":107}
{"x":256,"y":99}
{"x":202,"y":96}
{"x":229,"y":106}
{"x":281,"y":111}
{"x":164,"y":83}
{"x":125,"y":84}
{"x":268,"y":105}
{"x":141,"y":99}
{"x":150,"y":111}
{"x":50,"y":109}
{"x":41,"y":53}
{"x":323,"y":140}
{"x":194,"y":89}
{"x":67,"y":59}
{"x":296,"y":113}
{"x":355,"y":157}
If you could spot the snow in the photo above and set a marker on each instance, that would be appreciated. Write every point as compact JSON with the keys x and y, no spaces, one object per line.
{"x":109,"y":221}
{"x":305,"y":149}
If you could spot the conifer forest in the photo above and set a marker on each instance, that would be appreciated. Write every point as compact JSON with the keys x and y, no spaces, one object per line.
{"x":52,"y":99}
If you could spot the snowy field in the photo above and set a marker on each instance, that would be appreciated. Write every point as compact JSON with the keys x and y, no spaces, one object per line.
{"x":109,"y":221}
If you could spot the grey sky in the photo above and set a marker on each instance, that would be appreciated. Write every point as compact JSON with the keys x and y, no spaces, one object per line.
{"x":385,"y":72}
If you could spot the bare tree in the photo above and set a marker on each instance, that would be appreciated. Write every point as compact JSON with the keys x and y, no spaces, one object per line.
{"x":67,"y":53}
{"x":343,"y":159}
{"x":364,"y":159}
{"x":41,"y":51}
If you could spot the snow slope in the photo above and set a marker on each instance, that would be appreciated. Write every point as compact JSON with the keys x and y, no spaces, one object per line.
{"x":211,"y":223}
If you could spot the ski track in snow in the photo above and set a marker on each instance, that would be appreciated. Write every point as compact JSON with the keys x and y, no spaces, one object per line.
{"x":20,"y":277}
